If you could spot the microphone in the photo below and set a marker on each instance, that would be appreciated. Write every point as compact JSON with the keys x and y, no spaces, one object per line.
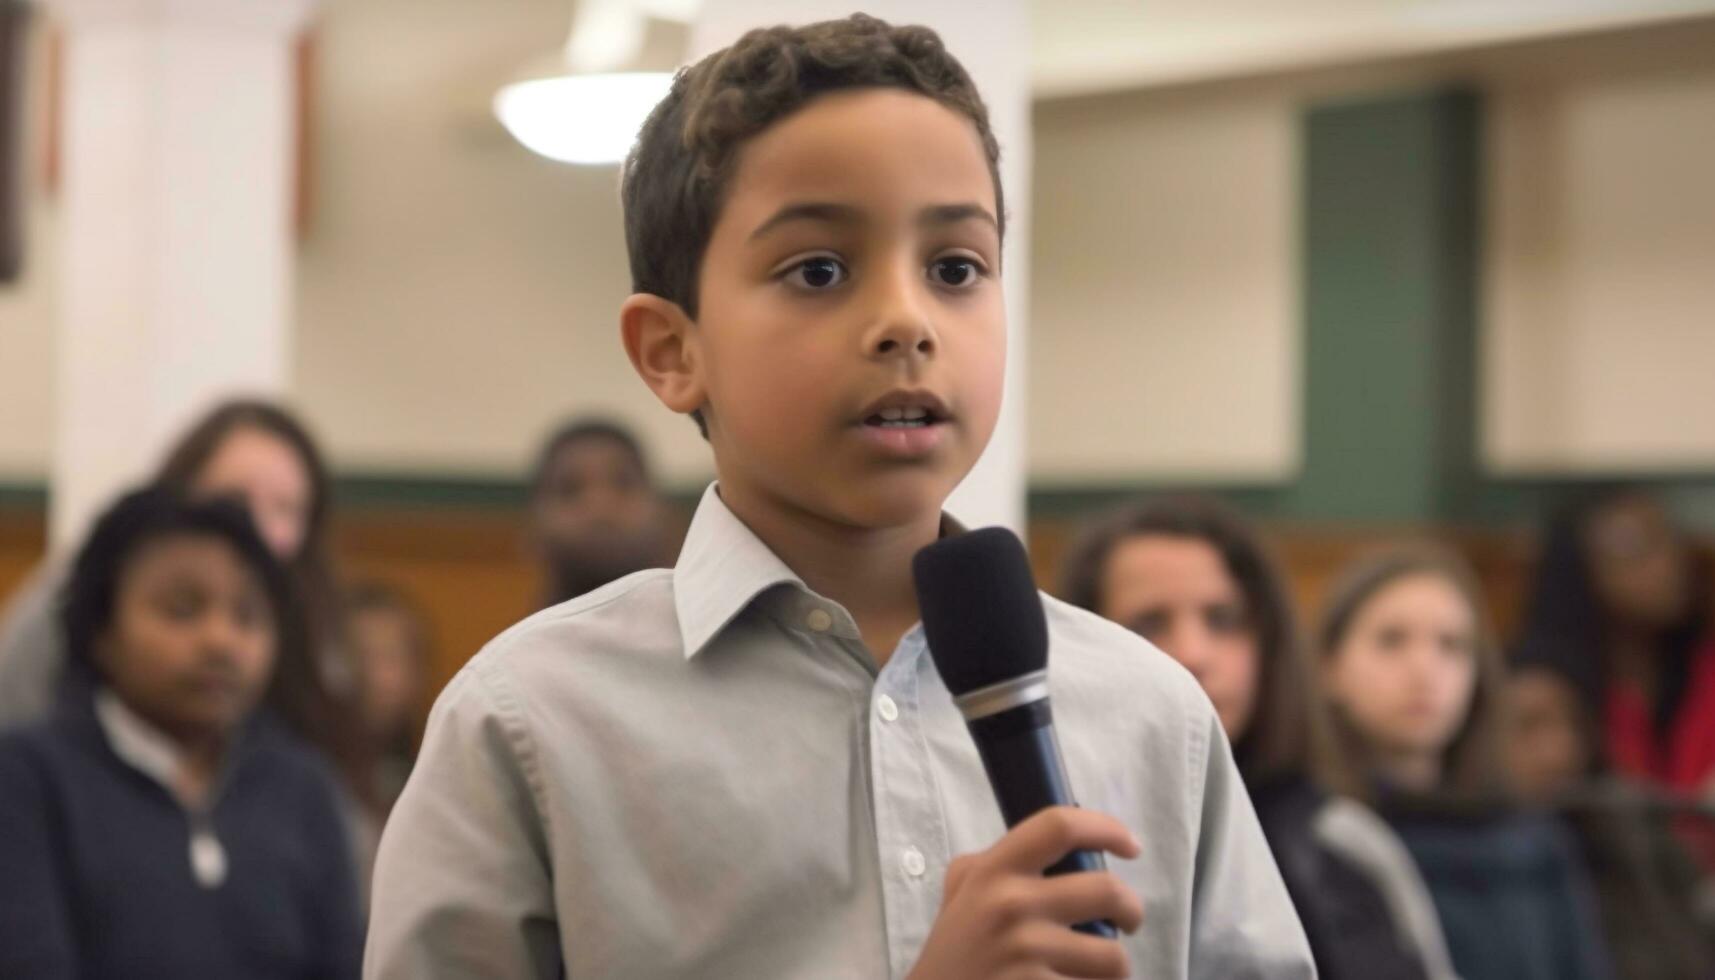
{"x":987,"y":632}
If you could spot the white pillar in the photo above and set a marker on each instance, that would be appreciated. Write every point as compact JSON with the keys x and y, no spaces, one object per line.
{"x":992,"y":40}
{"x":177,"y":239}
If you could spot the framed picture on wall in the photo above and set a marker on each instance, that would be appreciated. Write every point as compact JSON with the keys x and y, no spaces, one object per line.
{"x":13,"y":17}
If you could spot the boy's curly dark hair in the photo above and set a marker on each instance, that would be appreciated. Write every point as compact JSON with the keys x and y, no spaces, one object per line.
{"x":676,"y":176}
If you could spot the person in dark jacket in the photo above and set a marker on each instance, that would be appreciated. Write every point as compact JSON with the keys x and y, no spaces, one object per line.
{"x":1416,"y":684}
{"x":1190,"y":577}
{"x":159,"y":825}
{"x":1649,"y":888}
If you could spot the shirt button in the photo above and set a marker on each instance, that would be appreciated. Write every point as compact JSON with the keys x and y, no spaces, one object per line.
{"x":888,"y":710}
{"x":820,"y":620}
{"x":913,"y":862}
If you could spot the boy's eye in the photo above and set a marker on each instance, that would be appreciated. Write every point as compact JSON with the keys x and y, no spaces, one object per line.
{"x":955,"y":272}
{"x":820,"y":272}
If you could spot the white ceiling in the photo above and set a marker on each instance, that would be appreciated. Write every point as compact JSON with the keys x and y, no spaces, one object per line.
{"x":1089,"y":46}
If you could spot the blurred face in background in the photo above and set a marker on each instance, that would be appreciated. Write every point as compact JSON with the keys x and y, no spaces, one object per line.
{"x":266,"y":473}
{"x":1177,"y":593}
{"x":192,"y":641}
{"x":1547,"y":752}
{"x":1638,"y":564}
{"x":595,"y":516}
{"x":1404,"y":673}
{"x":387,"y":644}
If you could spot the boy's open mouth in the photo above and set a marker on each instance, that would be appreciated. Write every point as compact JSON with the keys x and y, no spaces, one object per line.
{"x":902,"y":418}
{"x":906,"y":410}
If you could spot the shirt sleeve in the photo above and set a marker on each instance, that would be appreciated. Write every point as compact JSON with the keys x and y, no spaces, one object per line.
{"x":1243,"y":925}
{"x":463,"y":887}
{"x":35,"y":916}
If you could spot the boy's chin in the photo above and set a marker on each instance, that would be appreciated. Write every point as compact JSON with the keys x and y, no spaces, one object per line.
{"x":890,"y":500}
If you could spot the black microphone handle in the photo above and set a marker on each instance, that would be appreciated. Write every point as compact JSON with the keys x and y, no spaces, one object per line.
{"x":1024,"y":766}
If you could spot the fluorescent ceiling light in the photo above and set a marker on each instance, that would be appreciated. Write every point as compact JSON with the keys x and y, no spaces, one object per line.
{"x":587,"y":119}
{"x":586,"y":103}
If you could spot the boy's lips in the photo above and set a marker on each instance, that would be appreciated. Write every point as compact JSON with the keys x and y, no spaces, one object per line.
{"x":905,"y":424}
{"x":904,"y":443}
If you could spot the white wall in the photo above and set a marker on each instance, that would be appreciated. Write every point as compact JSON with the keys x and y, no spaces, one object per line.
{"x":1600,"y":348}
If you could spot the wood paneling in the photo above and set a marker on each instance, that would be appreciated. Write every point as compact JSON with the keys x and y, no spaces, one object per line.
{"x":471,"y":573}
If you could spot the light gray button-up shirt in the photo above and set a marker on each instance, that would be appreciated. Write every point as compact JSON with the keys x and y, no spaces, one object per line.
{"x":701,"y":773}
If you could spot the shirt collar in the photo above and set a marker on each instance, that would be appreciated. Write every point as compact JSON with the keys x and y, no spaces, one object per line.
{"x":136,"y":742}
{"x":724,"y":567}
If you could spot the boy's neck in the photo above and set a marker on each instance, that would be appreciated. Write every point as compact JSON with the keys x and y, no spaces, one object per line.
{"x":866,"y":570}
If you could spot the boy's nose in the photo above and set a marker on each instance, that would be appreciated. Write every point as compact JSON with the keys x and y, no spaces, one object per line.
{"x":902,"y":326}
{"x":903,"y":338}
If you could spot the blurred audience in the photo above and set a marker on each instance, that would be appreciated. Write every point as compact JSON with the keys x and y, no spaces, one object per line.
{"x":1417,"y":686}
{"x":1654,"y":901}
{"x":595,"y":515}
{"x":1608,"y":718}
{"x":1195,"y":581}
{"x":257,"y":453}
{"x":158,"y":825}
{"x":389,"y":638}
{"x":1620,"y":610}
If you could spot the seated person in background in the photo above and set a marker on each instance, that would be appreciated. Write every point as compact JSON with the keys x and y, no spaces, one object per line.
{"x":259,"y":453}
{"x":389,"y":640}
{"x":159,"y":825}
{"x":595,"y":517}
{"x":1621,"y":609}
{"x":1652,"y":896}
{"x":1191,"y":578}
{"x":1416,"y":686}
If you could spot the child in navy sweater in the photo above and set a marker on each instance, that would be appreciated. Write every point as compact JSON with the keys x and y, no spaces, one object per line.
{"x":158,"y":826}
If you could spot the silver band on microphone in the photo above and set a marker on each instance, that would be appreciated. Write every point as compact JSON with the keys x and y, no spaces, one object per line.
{"x":1008,"y":694}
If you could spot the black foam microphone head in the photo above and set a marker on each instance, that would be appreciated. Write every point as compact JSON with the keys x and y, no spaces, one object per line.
{"x":981,"y":612}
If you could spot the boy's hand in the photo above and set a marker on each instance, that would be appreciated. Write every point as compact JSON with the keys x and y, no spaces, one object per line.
{"x":1000,"y":918}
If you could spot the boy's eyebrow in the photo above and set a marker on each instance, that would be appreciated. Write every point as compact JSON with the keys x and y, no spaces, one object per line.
{"x":948,"y":214}
{"x":828,"y":212}
{"x":822,"y":211}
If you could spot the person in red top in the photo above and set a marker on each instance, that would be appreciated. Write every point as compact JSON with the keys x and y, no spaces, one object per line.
{"x":1621,"y":611}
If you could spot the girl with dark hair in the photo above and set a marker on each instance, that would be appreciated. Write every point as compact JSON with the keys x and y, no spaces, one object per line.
{"x":158,"y":825}
{"x":1191,"y":578}
{"x":258,"y":453}
{"x":1415,"y":681}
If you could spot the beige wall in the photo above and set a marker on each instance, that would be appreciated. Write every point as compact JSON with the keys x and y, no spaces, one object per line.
{"x":1601,"y":312}
{"x":1165,"y":301}
{"x":456,"y":294}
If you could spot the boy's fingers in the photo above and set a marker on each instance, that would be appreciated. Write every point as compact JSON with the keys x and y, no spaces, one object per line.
{"x":957,"y":871}
{"x":1051,"y":834}
{"x":1073,"y":954}
{"x":1086,"y":896}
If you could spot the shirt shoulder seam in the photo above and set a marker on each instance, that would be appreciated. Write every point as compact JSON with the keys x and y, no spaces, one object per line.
{"x":498,"y":691}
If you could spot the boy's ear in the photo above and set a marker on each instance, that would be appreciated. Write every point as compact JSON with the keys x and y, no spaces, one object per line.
{"x":660,"y":340}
